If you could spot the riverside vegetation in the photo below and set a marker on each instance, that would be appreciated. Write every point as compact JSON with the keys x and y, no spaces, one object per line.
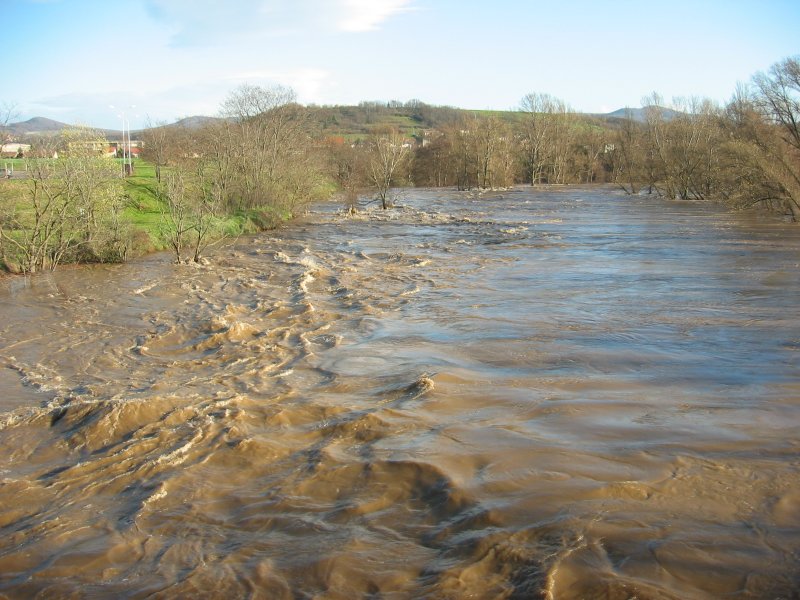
{"x":269,"y":157}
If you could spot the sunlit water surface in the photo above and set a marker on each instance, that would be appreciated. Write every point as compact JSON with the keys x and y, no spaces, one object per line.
{"x":563,"y":393}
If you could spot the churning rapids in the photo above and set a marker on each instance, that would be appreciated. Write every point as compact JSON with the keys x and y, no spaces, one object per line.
{"x":562,"y":393}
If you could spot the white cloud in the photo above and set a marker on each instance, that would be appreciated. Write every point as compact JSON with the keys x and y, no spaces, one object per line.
{"x":169,"y":104}
{"x":366,"y":15}
{"x":205,"y":23}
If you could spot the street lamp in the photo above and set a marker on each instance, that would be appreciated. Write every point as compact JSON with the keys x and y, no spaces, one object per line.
{"x":127,"y":162}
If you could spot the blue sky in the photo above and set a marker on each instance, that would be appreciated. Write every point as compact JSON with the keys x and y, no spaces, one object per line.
{"x":161,"y":60}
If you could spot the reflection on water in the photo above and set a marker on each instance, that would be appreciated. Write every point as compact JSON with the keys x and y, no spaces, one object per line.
{"x":564,"y":393}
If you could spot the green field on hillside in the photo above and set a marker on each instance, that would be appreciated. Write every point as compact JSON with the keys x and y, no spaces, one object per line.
{"x":358,"y":122}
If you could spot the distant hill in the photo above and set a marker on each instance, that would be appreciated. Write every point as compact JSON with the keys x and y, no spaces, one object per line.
{"x":349,"y":121}
{"x":46,"y":127}
{"x":190,"y":123}
{"x":35,"y":126}
{"x":195,"y":122}
{"x":640,"y":114}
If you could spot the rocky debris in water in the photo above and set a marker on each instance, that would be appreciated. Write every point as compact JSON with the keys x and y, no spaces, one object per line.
{"x":421,"y":386}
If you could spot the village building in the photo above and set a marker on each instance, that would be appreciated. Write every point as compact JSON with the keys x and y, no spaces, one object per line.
{"x":14,"y":150}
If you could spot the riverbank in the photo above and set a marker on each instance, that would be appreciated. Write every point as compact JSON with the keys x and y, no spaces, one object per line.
{"x":107,"y":219}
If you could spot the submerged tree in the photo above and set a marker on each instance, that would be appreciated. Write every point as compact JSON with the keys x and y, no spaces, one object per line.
{"x":387,"y":155}
{"x":433,"y":163}
{"x":625,"y":154}
{"x":681,"y":147}
{"x":476,"y":152}
{"x":494,"y":162}
{"x":777,"y":98}
{"x":546,"y":136}
{"x":590,"y":144}
{"x":347,"y":167}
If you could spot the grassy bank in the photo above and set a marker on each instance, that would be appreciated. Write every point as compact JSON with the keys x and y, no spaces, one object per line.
{"x":142,"y":226}
{"x":144,"y":209}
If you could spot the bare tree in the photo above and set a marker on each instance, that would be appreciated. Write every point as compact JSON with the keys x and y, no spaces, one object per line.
{"x":764,"y":162}
{"x":70,"y":209}
{"x":682,"y":147}
{"x":156,"y":138}
{"x":347,"y":165}
{"x":273,"y":164}
{"x":626,"y":154}
{"x":460,"y":138}
{"x":562,"y":142}
{"x":547,"y":139}
{"x":35,"y":239}
{"x":476,"y":151}
{"x":491,"y":139}
{"x":8,"y":112}
{"x":536,"y":133}
{"x":778,"y":97}
{"x":191,"y":213}
{"x":657,"y":147}
{"x":93,"y":181}
{"x":590,"y":145}
{"x":177,"y":214}
{"x":434,"y":162}
{"x":387,"y":154}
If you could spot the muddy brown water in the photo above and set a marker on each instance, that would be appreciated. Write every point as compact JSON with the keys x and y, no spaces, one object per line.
{"x":562,"y":393}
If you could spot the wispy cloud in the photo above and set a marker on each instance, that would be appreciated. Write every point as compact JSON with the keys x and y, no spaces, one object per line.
{"x":166,"y":105}
{"x":367,"y":15}
{"x":206,"y":23}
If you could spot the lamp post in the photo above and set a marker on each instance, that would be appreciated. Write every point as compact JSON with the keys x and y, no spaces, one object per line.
{"x":127,"y":163}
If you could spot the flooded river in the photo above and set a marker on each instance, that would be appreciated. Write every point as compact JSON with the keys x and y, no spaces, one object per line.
{"x":563,"y":393}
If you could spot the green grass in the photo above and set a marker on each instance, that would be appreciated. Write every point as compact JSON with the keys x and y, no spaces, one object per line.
{"x":13,"y":188}
{"x":144,"y":209}
{"x":353,"y":123}
{"x":142,"y":190}
{"x":19,"y":165}
{"x":508,"y":116}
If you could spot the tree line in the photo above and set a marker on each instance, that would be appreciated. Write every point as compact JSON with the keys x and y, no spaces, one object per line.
{"x":745,"y":153}
{"x":268,"y":157}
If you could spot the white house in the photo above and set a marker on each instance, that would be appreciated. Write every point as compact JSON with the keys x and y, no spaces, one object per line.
{"x":13,"y":150}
